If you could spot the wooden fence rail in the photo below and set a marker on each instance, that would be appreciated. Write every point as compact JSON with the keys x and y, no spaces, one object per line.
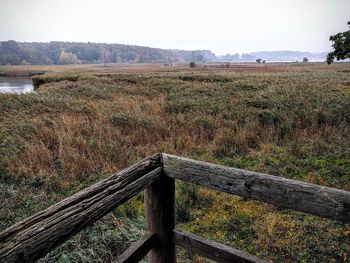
{"x":300,"y":196}
{"x":211,"y":249}
{"x":34,"y":237}
{"x":37,"y":235}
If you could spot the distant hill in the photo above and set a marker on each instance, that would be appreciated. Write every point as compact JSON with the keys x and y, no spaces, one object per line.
{"x":283,"y":55}
{"x":34,"y":53}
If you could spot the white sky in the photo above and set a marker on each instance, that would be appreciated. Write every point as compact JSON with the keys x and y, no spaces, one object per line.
{"x":223,"y":26}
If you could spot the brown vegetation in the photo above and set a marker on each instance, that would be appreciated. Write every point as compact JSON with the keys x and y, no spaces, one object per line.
{"x":288,"y":120}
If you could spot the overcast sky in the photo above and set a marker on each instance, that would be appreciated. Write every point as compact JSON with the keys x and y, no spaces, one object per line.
{"x":223,"y":26}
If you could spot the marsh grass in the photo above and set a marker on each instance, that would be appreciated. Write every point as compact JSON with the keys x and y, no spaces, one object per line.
{"x":80,"y":127}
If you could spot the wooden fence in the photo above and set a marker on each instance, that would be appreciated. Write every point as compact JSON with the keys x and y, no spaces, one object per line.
{"x":37,"y":235}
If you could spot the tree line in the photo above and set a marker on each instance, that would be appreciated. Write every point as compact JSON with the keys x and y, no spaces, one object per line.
{"x":33,"y":53}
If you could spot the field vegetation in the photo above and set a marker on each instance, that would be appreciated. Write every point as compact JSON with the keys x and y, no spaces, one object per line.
{"x":82,"y":125}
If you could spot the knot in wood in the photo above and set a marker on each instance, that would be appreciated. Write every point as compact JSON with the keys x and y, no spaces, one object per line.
{"x":249,"y":184}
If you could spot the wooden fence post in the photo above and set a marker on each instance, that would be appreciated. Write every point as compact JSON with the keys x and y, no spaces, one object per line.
{"x":160,"y":218}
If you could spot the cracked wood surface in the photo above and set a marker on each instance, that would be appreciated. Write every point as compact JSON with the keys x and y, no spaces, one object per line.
{"x":286,"y":193}
{"x":35,"y":236}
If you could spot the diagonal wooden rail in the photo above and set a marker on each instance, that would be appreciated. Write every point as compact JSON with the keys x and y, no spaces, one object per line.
{"x":37,"y":235}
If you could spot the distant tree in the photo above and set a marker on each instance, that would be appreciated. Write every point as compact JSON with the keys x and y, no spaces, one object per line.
{"x":199,"y":58}
{"x":229,"y":57}
{"x":105,"y":56}
{"x":11,"y":59}
{"x":247,"y":57}
{"x":305,"y":59}
{"x":68,"y":58}
{"x":129,"y":56}
{"x":193,"y":64}
{"x":9,"y":53}
{"x":258,"y":60}
{"x":28,"y":55}
{"x":90,"y":53}
{"x":341,"y":45}
{"x":235,"y":56}
{"x":53,"y":51}
{"x":24,"y":62}
{"x":10,"y":46}
{"x":263,"y":61}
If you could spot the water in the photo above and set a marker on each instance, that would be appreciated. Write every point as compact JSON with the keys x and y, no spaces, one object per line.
{"x":16,"y":85}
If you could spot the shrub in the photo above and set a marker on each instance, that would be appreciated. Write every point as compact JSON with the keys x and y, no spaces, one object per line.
{"x":187,"y":196}
{"x":120,"y":120}
{"x":230,"y":143}
{"x":267,"y":118}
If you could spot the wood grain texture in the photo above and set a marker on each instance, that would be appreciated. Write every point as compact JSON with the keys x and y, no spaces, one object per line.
{"x":37,"y":235}
{"x":160,"y":218}
{"x":139,"y":249}
{"x":300,"y":196}
{"x":212,"y":250}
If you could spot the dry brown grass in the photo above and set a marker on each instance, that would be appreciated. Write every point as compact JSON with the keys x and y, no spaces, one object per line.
{"x":183,"y":67}
{"x":290,"y":120}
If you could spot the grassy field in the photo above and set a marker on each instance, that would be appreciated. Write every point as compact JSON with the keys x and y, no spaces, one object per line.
{"x":84,"y":123}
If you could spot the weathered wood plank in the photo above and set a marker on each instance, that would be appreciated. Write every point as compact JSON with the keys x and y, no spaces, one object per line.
{"x":37,"y":235}
{"x":139,"y":249}
{"x":160,"y":218}
{"x":301,"y":196}
{"x":212,"y":250}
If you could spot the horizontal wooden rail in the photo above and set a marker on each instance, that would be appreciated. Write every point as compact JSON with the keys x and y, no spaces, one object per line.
{"x":300,"y":196}
{"x":212,"y":250}
{"x":32,"y":238}
{"x":139,"y":249}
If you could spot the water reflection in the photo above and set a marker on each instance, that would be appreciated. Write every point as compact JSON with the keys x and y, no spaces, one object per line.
{"x":16,"y":85}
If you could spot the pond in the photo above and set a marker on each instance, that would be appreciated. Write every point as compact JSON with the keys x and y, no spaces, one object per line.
{"x":16,"y":85}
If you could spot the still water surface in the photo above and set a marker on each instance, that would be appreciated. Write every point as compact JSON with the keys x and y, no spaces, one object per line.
{"x":16,"y":85}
